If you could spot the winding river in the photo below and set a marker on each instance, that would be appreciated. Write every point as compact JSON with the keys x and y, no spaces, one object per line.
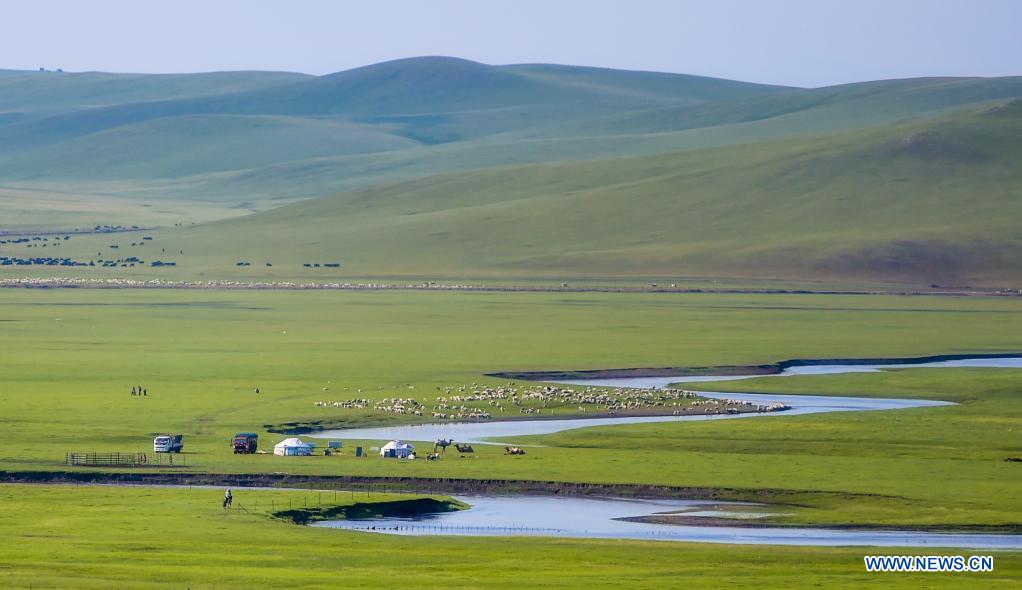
{"x":478,"y":432}
{"x":600,"y":518}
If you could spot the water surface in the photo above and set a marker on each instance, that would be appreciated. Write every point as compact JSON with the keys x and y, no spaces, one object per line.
{"x":507,"y":430}
{"x":596,"y":518}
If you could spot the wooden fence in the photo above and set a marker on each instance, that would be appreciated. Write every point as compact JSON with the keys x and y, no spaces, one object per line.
{"x":117,"y":459}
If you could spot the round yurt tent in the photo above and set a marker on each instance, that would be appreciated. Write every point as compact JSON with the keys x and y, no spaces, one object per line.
{"x":397,"y":449}
{"x":293,"y":446}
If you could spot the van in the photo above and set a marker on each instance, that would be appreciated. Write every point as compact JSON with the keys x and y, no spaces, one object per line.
{"x":169,"y":443}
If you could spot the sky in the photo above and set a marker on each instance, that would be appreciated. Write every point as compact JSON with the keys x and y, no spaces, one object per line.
{"x":793,"y":42}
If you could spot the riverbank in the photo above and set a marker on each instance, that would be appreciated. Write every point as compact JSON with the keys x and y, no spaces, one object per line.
{"x":423,"y":485}
{"x":684,"y":520}
{"x":735,"y":370}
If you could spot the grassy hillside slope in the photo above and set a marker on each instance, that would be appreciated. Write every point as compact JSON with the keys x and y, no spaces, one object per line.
{"x":215,"y":136}
{"x":196,"y":144}
{"x":260,"y":139}
{"x":926,"y":202}
{"x":437,"y":99}
{"x":47,"y":92}
{"x":797,"y":113}
{"x":820,"y":109}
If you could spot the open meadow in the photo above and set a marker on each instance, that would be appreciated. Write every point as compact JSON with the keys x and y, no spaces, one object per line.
{"x":102,"y":537}
{"x":486,"y":295}
{"x":747,"y":191}
{"x":71,"y":358}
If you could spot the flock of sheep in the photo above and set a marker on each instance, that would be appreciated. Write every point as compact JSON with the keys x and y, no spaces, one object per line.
{"x":392,"y":405}
{"x":463,"y":402}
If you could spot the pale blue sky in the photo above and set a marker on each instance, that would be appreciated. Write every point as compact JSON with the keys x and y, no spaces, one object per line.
{"x":798,"y":42}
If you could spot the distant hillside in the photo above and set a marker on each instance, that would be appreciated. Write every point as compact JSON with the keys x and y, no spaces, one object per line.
{"x":799,"y":110}
{"x":206,"y":136}
{"x":260,"y":139}
{"x":48,"y":92}
{"x":933,"y":201}
{"x":440,"y":166}
{"x":434,"y":99}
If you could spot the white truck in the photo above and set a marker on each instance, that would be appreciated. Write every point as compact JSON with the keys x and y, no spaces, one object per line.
{"x":169,"y":443}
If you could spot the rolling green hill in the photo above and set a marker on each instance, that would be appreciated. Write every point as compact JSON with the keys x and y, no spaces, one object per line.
{"x":937,"y":201}
{"x":199,"y":144}
{"x":207,"y":136}
{"x":934,"y":201}
{"x":436,"y":99}
{"x":262,"y":139}
{"x":819,"y":109}
{"x":48,"y":92}
{"x":446,"y":167}
{"x":741,"y":121}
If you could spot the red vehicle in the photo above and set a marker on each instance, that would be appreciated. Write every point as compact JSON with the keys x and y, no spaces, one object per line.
{"x":245,"y":443}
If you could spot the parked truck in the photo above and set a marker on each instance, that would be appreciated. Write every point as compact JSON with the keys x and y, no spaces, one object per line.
{"x":169,"y":443}
{"x":245,"y":443}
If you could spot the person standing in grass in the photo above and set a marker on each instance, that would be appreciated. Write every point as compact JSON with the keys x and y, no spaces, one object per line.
{"x":228,"y":498}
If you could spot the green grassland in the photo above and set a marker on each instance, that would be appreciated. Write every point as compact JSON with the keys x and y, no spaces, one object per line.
{"x":921,"y":203}
{"x":71,"y":358}
{"x":95,"y":537}
{"x":444,"y":169}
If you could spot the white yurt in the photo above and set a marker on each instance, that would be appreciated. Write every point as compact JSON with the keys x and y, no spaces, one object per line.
{"x":293,"y":446}
{"x":397,"y":449}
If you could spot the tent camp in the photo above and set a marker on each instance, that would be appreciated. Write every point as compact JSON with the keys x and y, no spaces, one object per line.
{"x":293,"y":446}
{"x":397,"y":449}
